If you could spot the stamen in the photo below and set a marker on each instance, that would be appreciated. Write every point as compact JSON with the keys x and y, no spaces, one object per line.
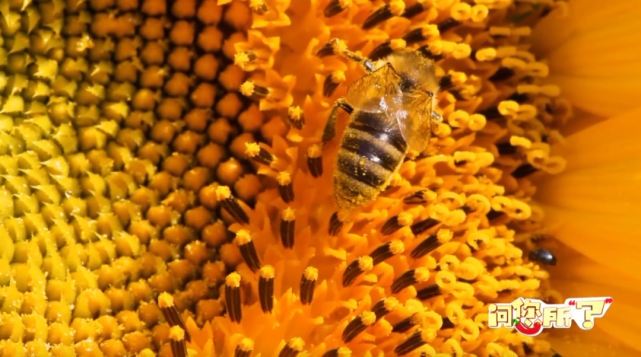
{"x":314,"y":160}
{"x":356,"y":268}
{"x":384,"y":307}
{"x":394,"y":8}
{"x":147,"y":353}
{"x":266,"y":288}
{"x":506,"y":148}
{"x":232,"y":297}
{"x":387,"y":251}
{"x":296,"y":117}
{"x":307,"y":285}
{"x":258,"y":153}
{"x":287,"y":227}
{"x":177,"y":342}
{"x":244,"y":348}
{"x":447,"y":324}
{"x":335,"y":224}
{"x":542,"y":256}
{"x":447,"y":25}
{"x":426,"y":246}
{"x":414,"y":320}
{"x":421,"y":34}
{"x":527,"y":349}
{"x":395,"y":223}
{"x":285,"y":187}
{"x":446,"y":82}
{"x":171,"y":314}
{"x":410,"y":277}
{"x":241,"y":59}
{"x":229,"y":203}
{"x":339,"y":352}
{"x":332,"y":81}
{"x":258,"y":6}
{"x":418,"y":339}
{"x":414,"y":10}
{"x":358,"y":325}
{"x":335,"y":7}
{"x":247,"y":249}
{"x":428,"y":292}
{"x":253,"y":90}
{"x":425,"y":51}
{"x":292,"y":348}
{"x":422,"y":226}
{"x":523,"y":170}
{"x":417,"y":197}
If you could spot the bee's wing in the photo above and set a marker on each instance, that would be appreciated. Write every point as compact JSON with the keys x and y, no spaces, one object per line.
{"x":414,"y":118}
{"x":375,"y":91}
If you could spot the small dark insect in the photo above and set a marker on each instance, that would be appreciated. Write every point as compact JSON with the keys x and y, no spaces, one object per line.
{"x":542,"y":256}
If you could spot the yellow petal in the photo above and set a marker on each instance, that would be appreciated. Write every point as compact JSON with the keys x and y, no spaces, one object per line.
{"x":593,"y":206}
{"x":594,"y":53}
{"x":593,"y":343}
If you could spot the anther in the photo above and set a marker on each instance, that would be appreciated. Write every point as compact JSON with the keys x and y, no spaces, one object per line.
{"x":229,"y":203}
{"x":247,"y":249}
{"x":384,"y":307}
{"x":258,"y":6}
{"x":445,"y":82}
{"x":492,"y":214}
{"x":241,"y":59}
{"x":177,"y":341}
{"x":314,"y":160}
{"x":387,"y":251}
{"x":395,"y":223}
{"x":394,"y":8}
{"x":307,"y":285}
{"x":232,"y":297}
{"x":426,"y":52}
{"x":358,"y":325}
{"x":523,"y":170}
{"x":447,"y":24}
{"x":418,"y":339}
{"x":330,"y":48}
{"x":447,"y":324}
{"x":171,"y":314}
{"x":292,"y":348}
{"x":414,"y":10}
{"x":356,"y":268}
{"x":428,"y":292}
{"x":425,"y":247}
{"x":266,"y":288}
{"x":417,"y":197}
{"x":335,"y":7}
{"x":410,"y":277}
{"x":421,"y":34}
{"x":296,"y":117}
{"x":258,"y":153}
{"x":490,"y":113}
{"x":147,"y":353}
{"x":253,"y":90}
{"x":506,"y":148}
{"x":339,"y":352}
{"x":527,"y":349}
{"x":287,"y":227}
{"x":335,"y":224}
{"x":244,"y":348}
{"x":414,"y":320}
{"x":381,"y":51}
{"x":422,"y":226}
{"x":285,"y":187}
{"x":332,"y":81}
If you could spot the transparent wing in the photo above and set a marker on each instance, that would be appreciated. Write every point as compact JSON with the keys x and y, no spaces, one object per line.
{"x":377,"y":91}
{"x":414,"y":115}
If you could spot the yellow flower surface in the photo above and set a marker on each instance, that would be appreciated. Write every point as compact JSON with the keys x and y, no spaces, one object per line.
{"x":165,"y":190}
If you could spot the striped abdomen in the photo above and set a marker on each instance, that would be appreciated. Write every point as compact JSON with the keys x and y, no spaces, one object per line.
{"x":371,"y":151}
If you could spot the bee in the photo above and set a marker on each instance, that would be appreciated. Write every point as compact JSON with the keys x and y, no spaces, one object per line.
{"x":391,"y":112}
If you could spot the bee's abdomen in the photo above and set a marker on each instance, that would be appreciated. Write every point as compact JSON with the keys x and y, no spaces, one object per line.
{"x":370,"y":153}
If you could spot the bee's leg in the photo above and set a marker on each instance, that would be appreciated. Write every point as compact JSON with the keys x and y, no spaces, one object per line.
{"x":330,"y":128}
{"x":435,"y":119}
{"x":337,"y":47}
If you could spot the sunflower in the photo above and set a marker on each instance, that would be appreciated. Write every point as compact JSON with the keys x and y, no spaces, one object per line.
{"x":165,"y":190}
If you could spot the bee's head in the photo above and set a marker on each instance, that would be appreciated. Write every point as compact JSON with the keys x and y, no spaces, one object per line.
{"x":416,"y":71}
